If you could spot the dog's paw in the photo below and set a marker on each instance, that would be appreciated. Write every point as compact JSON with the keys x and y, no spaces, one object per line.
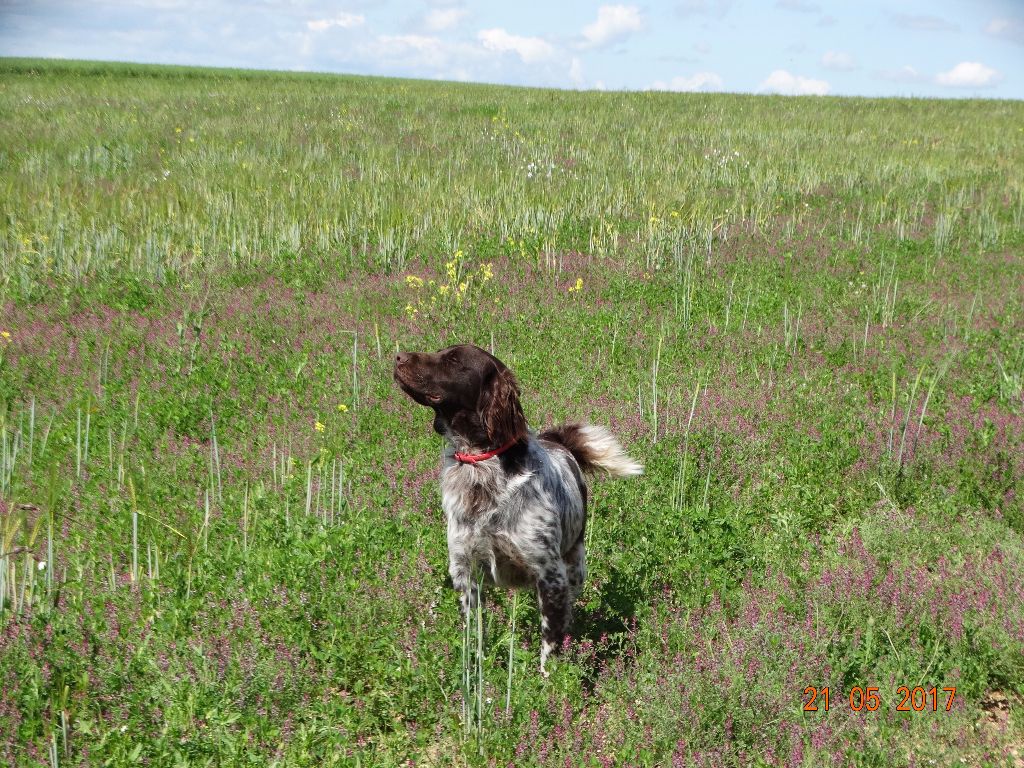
{"x":546,"y":649}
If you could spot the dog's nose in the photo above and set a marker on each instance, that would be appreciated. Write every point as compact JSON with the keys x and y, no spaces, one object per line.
{"x":401,"y":358}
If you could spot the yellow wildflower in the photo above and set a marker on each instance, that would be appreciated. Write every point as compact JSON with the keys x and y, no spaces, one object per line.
{"x":342,"y":407}
{"x":5,"y":335}
{"x":319,"y":427}
{"x":413,"y":281}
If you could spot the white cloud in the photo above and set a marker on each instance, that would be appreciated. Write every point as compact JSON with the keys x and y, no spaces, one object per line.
{"x":409,"y":50}
{"x":924,"y":23}
{"x":782,"y":81}
{"x":719,"y":8}
{"x":905,"y":74}
{"x":839,"y":61}
{"x":800,"y":6}
{"x":343,"y":20}
{"x":614,"y":23}
{"x":702,"y":81}
{"x":968,"y":74}
{"x":576,"y":72}
{"x":440,"y":19}
{"x":529,"y":49}
{"x":1006,"y":29}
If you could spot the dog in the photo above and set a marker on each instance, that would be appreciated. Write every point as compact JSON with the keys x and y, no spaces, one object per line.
{"x":515,"y":501}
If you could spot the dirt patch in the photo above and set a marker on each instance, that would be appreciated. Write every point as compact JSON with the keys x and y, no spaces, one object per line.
{"x":995,"y":721}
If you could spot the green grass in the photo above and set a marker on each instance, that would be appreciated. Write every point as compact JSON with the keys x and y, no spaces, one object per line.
{"x":220,"y":531}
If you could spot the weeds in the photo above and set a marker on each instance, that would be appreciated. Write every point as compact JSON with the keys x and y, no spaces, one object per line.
{"x":219,"y":524}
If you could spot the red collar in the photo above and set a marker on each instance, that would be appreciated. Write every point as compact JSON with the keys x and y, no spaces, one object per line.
{"x":473,"y":458}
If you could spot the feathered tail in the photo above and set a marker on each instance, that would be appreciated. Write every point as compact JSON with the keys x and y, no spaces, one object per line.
{"x":595,"y":449}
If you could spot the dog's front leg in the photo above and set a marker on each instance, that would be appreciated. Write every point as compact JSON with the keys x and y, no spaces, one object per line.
{"x":553,"y":597}
{"x":468,"y":588}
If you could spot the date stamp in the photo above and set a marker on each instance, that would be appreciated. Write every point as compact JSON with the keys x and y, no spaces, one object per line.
{"x":906,"y":699}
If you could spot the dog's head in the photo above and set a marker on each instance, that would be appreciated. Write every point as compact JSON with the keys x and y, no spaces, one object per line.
{"x":474,"y":395}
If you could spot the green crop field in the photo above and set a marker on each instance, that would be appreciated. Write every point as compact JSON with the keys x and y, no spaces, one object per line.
{"x":221,"y":540}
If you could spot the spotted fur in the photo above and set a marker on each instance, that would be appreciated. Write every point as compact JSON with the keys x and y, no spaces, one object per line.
{"x":520,"y":516}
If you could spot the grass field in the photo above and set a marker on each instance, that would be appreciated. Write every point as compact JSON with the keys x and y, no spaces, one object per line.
{"x":220,"y":531}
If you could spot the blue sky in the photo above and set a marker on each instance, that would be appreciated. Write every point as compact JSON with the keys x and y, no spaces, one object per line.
{"x":943,"y":48}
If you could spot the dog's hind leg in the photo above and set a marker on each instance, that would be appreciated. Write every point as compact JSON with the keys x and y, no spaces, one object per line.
{"x":555,"y":608}
{"x":575,"y":570}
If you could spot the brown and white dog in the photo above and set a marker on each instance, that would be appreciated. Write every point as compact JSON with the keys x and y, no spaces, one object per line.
{"x":515,"y":501}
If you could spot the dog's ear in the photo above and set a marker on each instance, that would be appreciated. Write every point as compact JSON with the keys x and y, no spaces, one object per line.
{"x":500,"y":410}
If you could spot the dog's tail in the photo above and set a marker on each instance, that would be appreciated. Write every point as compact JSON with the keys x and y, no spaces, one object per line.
{"x":595,"y":449}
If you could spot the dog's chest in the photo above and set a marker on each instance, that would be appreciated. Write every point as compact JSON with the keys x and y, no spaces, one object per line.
{"x":468,"y":494}
{"x":481,"y":530}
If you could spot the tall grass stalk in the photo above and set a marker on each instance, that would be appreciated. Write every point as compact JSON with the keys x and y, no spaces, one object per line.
{"x":215,"y":458}
{"x":728,"y":304}
{"x":78,"y":445}
{"x":341,"y":486}
{"x":473,"y":666}
{"x":135,"y":529}
{"x":205,"y":531}
{"x":88,"y":417}
{"x":330,"y":504}
{"x":655,"y":366}
{"x":245,"y":519}
{"x":49,"y":549}
{"x":7,"y":457}
{"x":679,"y":494}
{"x":892,"y":414}
{"x":135,"y":543}
{"x":906,"y":418}
{"x":480,"y":663}
{"x":791,"y":326}
{"x":511,"y":652}
{"x":309,"y":486}
{"x":31,"y":430}
{"x":969,"y":322}
{"x":46,"y":433}
{"x":64,"y":727}
{"x":928,"y":396}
